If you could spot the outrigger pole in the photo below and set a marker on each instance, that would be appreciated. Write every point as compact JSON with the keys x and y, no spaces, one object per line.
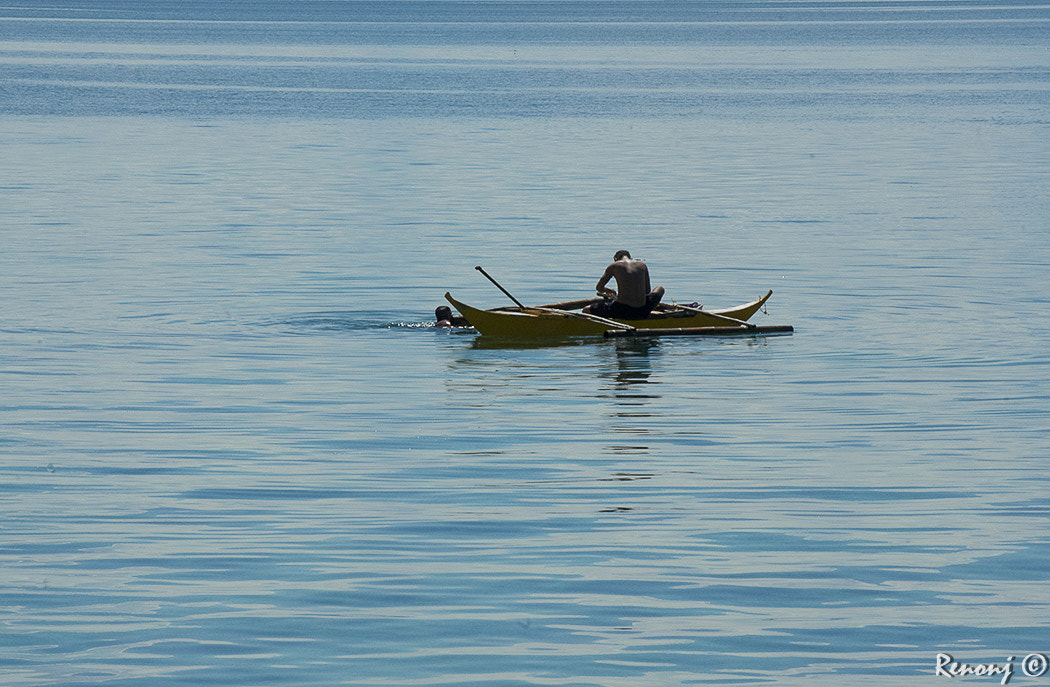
{"x":701,"y":331}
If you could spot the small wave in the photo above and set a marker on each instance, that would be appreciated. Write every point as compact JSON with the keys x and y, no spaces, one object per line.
{"x":346,"y":321}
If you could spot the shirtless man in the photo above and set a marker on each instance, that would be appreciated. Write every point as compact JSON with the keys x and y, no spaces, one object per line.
{"x":633,"y":299}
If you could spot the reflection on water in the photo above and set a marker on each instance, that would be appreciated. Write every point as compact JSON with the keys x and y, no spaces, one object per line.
{"x":628,"y":382}
{"x":632,"y":366}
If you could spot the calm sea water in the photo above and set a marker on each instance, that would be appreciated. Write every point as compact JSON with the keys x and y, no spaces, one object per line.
{"x":233,"y":453}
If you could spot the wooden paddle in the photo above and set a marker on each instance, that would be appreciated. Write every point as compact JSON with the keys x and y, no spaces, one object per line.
{"x":584,"y":316}
{"x":478,"y":268}
{"x":708,"y":313}
{"x":564,"y":305}
{"x":572,"y":305}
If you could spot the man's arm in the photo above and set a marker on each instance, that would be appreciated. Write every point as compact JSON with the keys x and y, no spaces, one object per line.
{"x":600,"y":288}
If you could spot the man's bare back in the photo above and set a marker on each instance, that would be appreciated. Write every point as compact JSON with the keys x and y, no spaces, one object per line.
{"x":633,"y":299}
{"x":632,"y":281}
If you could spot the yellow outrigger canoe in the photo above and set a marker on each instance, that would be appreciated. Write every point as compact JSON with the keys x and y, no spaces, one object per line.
{"x":561,"y":321}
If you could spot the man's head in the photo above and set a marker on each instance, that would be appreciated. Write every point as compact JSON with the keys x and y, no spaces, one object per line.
{"x":621,"y":254}
{"x":443,"y":312}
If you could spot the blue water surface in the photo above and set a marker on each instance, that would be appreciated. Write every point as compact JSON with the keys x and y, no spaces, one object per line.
{"x":233,"y":452}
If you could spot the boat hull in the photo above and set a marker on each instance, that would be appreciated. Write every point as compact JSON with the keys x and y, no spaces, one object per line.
{"x":548,"y":322}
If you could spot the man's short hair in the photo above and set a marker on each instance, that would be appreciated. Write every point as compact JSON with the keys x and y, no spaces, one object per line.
{"x":621,"y":254}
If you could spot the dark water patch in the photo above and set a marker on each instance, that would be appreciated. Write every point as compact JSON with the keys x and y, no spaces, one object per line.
{"x":279,"y":494}
{"x":833,"y":494}
{"x":137,"y":471}
{"x":1025,"y":564}
{"x":771,"y":596}
{"x":773,"y":541}
{"x":45,"y":548}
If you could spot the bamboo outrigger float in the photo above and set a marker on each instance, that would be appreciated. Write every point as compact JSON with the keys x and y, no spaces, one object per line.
{"x":563,"y":320}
